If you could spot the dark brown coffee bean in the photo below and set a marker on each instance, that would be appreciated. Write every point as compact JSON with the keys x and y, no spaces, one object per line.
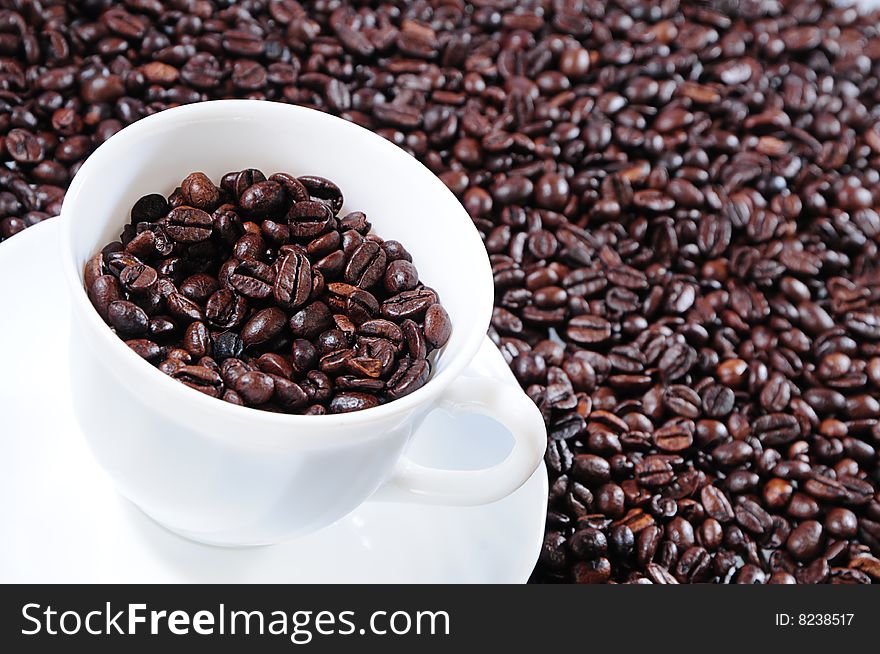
{"x":197,"y":340}
{"x":103,"y":292}
{"x":323,"y":190}
{"x":199,"y":191}
{"x":675,"y":436}
{"x":182,"y":309}
{"x":366,"y":266}
{"x":200,"y":378}
{"x":751,"y":517}
{"x":776,"y":429}
{"x":189,"y":225}
{"x":716,"y":504}
{"x":309,"y":219}
{"x":263,"y":326}
{"x":409,"y":376}
{"x":588,"y":329}
{"x":252,"y":279}
{"x":127,"y":319}
{"x":408,"y":304}
{"x":401,"y":275}
{"x":146,"y":349}
{"x":293,"y":280}
{"x":438,"y":326}
{"x":805,"y":541}
{"x":352,"y":401}
{"x":254,"y":387}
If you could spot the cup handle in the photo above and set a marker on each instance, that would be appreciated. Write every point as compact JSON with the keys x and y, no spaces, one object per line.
{"x":486,"y":387}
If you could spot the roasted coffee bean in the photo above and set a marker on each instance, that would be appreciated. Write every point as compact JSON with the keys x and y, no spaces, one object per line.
{"x":323,"y":190}
{"x":182,"y":309}
{"x":200,"y":378}
{"x":228,"y":345}
{"x":309,"y":219}
{"x":252,"y":278}
{"x":225,"y":309}
{"x":149,"y":209}
{"x":751,"y":517}
{"x":408,"y":304}
{"x":293,"y":280}
{"x":401,"y":275}
{"x":146,"y":349}
{"x":805,"y":541}
{"x":127,"y":318}
{"x":255,"y":387}
{"x":409,"y":376}
{"x":588,"y":544}
{"x":103,"y":291}
{"x":349,"y":401}
{"x":588,"y":330}
{"x":199,"y":287}
{"x":716,"y":504}
{"x":233,"y":302}
{"x":199,"y":191}
{"x":366,"y":266}
{"x":776,"y":429}
{"x":188,"y":225}
{"x":263,"y":326}
{"x":718,"y":401}
{"x":675,"y":436}
{"x":262,"y":198}
{"x":438,"y":326}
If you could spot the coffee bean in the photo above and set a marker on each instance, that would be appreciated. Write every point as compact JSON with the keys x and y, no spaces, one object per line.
{"x":255,"y":387}
{"x":366,"y":266}
{"x":805,"y":541}
{"x":675,"y":436}
{"x":409,"y":376}
{"x":199,"y":191}
{"x":352,"y":401}
{"x":103,"y":291}
{"x":323,"y":190}
{"x":189,"y":225}
{"x":401,"y":275}
{"x":751,"y":517}
{"x":438,"y":326}
{"x":776,"y":429}
{"x":717,"y":401}
{"x":263,"y":326}
{"x":146,"y":349}
{"x":408,"y":304}
{"x":127,"y":318}
{"x":309,"y":219}
{"x":262,"y":198}
{"x":841,"y":523}
{"x":293,"y":280}
{"x":24,"y":147}
{"x":588,"y":544}
{"x":588,"y":329}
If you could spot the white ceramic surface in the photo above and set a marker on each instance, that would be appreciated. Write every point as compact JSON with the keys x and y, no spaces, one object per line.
{"x":231,"y":475}
{"x":62,"y":520}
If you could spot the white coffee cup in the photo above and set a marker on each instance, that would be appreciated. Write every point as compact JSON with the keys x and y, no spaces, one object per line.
{"x":230,"y":475}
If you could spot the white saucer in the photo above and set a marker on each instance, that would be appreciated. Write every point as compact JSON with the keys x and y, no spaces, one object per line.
{"x":62,"y":521}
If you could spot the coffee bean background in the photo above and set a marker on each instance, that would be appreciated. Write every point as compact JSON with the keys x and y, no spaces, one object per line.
{"x":679,"y":200}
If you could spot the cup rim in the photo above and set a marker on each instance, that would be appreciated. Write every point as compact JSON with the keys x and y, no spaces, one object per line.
{"x":456,"y":361}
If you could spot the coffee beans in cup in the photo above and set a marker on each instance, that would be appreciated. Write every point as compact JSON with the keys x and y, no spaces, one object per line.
{"x":257,"y":291}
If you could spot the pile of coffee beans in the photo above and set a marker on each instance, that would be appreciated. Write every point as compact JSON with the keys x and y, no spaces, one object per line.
{"x":679,"y":198}
{"x":256,"y":292}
